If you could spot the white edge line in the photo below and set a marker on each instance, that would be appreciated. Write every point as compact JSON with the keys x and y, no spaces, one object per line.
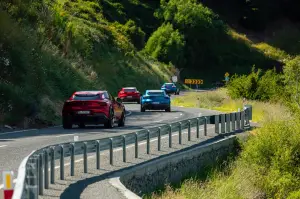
{"x":3,"y":146}
{"x":115,"y":182}
{"x":25,"y":130}
{"x":19,"y":186}
{"x":64,"y":135}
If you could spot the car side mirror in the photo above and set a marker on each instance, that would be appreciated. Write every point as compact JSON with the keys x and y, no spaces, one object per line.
{"x":119,"y":100}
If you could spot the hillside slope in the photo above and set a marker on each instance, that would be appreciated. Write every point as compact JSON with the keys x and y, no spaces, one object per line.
{"x":51,"y":48}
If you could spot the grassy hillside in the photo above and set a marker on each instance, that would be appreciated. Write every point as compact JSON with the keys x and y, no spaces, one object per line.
{"x":52,"y":48}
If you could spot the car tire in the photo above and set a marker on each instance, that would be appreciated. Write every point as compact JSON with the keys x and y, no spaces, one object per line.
{"x":110,"y":122}
{"x":138,"y":101}
{"x":142,"y":109}
{"x":81,"y":125}
{"x":122,"y":120}
{"x":67,"y":124}
{"x":168,"y":109}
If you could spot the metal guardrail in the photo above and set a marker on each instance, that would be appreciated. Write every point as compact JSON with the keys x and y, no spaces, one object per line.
{"x":33,"y":174}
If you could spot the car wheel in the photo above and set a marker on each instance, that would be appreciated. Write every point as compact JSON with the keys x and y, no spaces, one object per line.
{"x":67,"y":124}
{"x":110,"y":122}
{"x":168,"y":109}
{"x":122,"y":120}
{"x":142,"y":109}
{"x":81,"y":125}
{"x":138,"y":101}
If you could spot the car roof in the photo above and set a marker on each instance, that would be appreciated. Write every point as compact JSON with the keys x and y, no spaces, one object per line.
{"x":89,"y":92}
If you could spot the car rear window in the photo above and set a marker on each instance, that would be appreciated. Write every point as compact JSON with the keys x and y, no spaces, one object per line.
{"x":129,"y":90}
{"x":169,"y":84}
{"x":88,"y":97}
{"x":155,"y":93}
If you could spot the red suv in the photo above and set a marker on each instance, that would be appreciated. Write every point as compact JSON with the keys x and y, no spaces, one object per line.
{"x":130,"y":94}
{"x":92,"y":107}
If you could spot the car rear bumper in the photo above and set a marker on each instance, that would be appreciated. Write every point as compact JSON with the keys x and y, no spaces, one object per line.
{"x":149,"y":106}
{"x":170,"y":91}
{"x":132,"y":99}
{"x":99,"y":118}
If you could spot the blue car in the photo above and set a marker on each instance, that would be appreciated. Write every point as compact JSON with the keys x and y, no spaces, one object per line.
{"x":155,"y":100}
{"x":170,"y":88}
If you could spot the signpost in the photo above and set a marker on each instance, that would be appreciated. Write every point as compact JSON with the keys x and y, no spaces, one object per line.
{"x":174,"y":79}
{"x":226,"y":76}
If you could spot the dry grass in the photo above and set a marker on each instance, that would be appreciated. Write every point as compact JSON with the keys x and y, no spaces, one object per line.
{"x":219,"y":100}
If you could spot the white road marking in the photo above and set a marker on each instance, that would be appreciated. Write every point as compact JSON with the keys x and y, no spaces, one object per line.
{"x":176,"y":117}
{"x":25,"y":130}
{"x":3,"y":146}
{"x":64,"y":135}
{"x":181,"y":114}
{"x":157,"y":121}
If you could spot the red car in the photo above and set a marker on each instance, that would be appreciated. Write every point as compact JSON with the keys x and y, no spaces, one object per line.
{"x":92,"y":107}
{"x":130,"y":94}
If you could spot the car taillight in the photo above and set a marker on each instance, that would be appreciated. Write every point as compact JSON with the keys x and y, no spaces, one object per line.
{"x":122,"y":92}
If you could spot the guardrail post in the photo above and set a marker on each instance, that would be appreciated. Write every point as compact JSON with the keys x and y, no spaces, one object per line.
{"x":238,"y":120}
{"x":111,"y":152}
{"x":32,"y":179}
{"x":205,"y":126}
{"x":243,"y":120}
{"x":189,"y":130}
{"x":124,"y":148}
{"x":72,"y":162}
{"x":62,"y":164}
{"x":180,"y":133}
{"x":52,"y":166}
{"x":217,"y":124}
{"x":159,"y":139}
{"x":198,"y":128}
{"x":227,"y":123}
{"x":37,"y":173}
{"x":136,"y":146}
{"x":170,"y":136}
{"x":232,"y":116}
{"x":98,"y":154}
{"x":41,"y":175}
{"x":46,"y":169}
{"x":85,"y":166}
{"x":148,"y":141}
{"x":223,"y":123}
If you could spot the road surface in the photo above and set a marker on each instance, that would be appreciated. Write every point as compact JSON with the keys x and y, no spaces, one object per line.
{"x":14,"y":146}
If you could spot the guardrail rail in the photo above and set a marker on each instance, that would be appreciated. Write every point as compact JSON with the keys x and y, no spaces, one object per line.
{"x":37,"y":170}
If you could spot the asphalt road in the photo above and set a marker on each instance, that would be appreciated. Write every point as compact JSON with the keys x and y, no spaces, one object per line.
{"x":14,"y":146}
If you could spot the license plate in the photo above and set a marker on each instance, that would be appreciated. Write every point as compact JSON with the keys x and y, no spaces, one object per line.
{"x":155,"y":103}
{"x":129,"y":96}
{"x":83,"y":112}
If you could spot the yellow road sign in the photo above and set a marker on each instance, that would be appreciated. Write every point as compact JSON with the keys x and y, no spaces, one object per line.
{"x":193,"y":81}
{"x":226,"y":74}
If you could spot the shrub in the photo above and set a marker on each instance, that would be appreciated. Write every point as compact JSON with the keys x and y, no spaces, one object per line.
{"x":166,"y":44}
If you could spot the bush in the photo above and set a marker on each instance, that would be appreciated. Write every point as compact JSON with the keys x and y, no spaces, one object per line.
{"x":166,"y":44}
{"x":257,"y":86}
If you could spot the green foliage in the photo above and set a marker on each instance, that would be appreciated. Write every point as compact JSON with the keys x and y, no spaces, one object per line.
{"x":274,"y":155}
{"x":166,"y":44}
{"x":292,"y":80}
{"x":256,"y":86}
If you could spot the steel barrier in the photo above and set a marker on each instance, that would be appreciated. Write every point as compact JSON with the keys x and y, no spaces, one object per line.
{"x":33,"y":176}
